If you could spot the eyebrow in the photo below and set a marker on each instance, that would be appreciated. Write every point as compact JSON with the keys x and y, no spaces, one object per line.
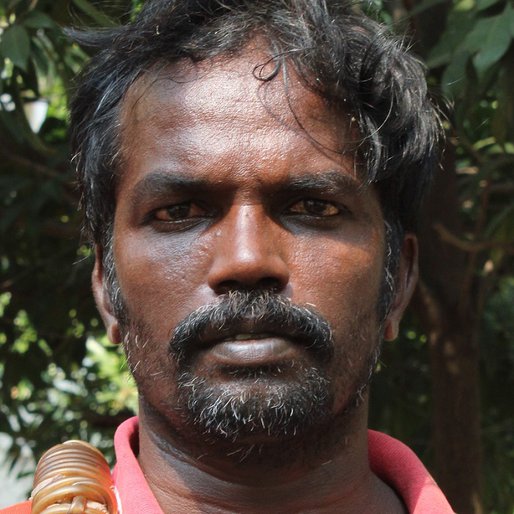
{"x":331,"y":181}
{"x":161,"y":182}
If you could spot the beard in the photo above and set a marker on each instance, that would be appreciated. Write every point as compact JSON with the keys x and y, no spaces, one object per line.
{"x":258,"y":403}
{"x":261,"y":404}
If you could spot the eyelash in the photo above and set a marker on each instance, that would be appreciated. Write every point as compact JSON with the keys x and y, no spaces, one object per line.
{"x":187,"y":205}
{"x":311,"y":204}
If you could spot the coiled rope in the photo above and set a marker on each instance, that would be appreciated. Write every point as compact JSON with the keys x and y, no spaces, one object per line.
{"x":73,"y":478}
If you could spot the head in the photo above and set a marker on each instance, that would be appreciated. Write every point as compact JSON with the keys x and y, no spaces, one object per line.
{"x":252,"y":171}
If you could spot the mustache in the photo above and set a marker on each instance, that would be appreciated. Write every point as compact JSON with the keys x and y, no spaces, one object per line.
{"x":251,"y":312}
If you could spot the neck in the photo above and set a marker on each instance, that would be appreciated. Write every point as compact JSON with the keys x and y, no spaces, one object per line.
{"x":325,"y":471}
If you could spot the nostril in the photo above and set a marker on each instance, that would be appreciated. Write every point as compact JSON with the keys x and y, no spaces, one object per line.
{"x":227,"y":286}
{"x":265,"y":284}
{"x":270,"y":284}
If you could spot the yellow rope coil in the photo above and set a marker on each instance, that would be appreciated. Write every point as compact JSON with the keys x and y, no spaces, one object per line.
{"x":73,"y":478}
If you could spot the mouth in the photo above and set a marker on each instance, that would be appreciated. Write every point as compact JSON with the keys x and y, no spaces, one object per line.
{"x":250,"y":345}
{"x":255,"y":350}
{"x":247,"y":337}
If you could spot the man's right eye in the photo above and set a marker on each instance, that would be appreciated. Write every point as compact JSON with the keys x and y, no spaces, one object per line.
{"x":179,"y":212}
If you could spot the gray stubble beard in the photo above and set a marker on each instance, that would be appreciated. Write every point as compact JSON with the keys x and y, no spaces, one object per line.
{"x":275,"y":408}
{"x":270,"y":405}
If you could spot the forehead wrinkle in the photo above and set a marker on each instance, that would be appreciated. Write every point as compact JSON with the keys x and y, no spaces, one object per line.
{"x":186,"y":84}
{"x":188,"y":88}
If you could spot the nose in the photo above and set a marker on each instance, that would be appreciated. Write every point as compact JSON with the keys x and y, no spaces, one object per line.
{"x":248,"y":253}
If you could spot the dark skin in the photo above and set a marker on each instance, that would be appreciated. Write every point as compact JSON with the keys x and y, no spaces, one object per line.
{"x":221,"y":189}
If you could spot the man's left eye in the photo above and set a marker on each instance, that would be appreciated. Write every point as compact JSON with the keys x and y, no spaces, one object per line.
{"x":180,"y":212}
{"x":311,"y":207}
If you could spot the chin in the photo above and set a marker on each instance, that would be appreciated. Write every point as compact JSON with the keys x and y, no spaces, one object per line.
{"x":256,"y":403}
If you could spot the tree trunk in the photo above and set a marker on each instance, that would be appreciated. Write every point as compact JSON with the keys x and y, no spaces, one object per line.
{"x":447,"y":309}
{"x":456,"y":419}
{"x":456,"y":416}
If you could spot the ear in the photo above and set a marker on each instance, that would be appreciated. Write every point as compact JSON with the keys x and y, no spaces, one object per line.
{"x":102,"y":299}
{"x":406,"y":280}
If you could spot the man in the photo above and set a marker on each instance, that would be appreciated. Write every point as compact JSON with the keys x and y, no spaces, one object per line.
{"x":251,"y":174}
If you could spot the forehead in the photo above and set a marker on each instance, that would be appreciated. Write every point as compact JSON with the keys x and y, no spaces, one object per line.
{"x":230,"y":91}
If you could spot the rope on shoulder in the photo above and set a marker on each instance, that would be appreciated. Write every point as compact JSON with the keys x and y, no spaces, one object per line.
{"x":73,"y":478}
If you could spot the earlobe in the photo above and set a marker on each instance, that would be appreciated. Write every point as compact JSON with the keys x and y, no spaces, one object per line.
{"x":405,"y":283}
{"x":102,"y":299}
{"x":391,"y":330}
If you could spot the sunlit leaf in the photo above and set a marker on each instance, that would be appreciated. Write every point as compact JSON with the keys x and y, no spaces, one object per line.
{"x":459,"y":25}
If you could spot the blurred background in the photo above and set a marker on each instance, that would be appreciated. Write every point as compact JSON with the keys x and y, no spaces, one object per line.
{"x":445,"y":387}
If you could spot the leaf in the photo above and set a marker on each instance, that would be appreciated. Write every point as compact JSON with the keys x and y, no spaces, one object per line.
{"x":15,"y":45}
{"x":459,"y":24}
{"x":427,"y":4}
{"x":482,"y":5}
{"x":511,"y":19}
{"x":502,"y":123}
{"x":38,"y":20}
{"x":98,"y":16}
{"x":40,"y":59}
{"x":489,"y":39}
{"x":503,"y":219}
{"x":454,"y":76}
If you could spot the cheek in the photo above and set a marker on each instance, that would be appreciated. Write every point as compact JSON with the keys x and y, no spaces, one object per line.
{"x":352,"y":303}
{"x":161,"y":280}
{"x":340,"y":278}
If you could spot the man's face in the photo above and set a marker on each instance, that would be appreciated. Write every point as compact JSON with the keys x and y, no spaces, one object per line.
{"x":232,"y":187}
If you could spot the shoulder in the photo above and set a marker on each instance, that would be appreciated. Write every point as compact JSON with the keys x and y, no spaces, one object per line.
{"x":19,"y":508}
{"x":400,"y":468}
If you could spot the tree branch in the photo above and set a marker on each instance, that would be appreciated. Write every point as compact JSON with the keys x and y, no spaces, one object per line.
{"x":470,"y":246}
{"x":40,"y":169}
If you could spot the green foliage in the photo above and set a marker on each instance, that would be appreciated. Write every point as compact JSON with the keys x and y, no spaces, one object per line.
{"x":400,"y":396}
{"x":58,"y":379}
{"x":476,"y":55}
{"x":475,"y":36}
{"x":16,"y":46}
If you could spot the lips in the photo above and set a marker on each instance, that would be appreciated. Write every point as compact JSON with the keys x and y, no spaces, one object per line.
{"x":254,"y":350}
{"x":253,"y":344}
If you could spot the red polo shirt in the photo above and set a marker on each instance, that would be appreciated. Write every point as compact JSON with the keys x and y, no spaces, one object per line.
{"x":391,"y":460}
